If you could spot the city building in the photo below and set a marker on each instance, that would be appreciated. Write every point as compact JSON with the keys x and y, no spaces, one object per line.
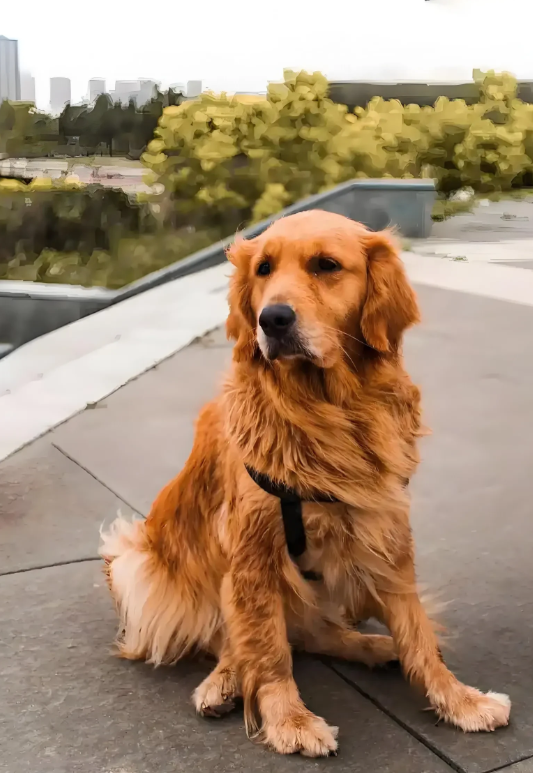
{"x":124,"y":91}
{"x":146,"y":92}
{"x":179,"y":88}
{"x":9,"y":69}
{"x":194,"y":88}
{"x":141,"y":91}
{"x":96,"y":87}
{"x":59,"y":94}
{"x":27,"y":87}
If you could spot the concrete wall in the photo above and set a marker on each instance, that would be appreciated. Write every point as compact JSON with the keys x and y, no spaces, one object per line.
{"x":359,"y":93}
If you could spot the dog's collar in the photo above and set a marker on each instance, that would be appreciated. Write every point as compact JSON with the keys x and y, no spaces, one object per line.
{"x":291,"y":513}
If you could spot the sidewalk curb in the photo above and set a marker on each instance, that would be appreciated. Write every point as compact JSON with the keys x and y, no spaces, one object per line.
{"x":130,"y":339}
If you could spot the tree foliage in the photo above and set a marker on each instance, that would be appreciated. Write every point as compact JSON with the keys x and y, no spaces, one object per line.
{"x":225,"y":159}
{"x":105,"y":128}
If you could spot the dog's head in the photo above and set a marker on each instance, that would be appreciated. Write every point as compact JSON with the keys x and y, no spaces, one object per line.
{"x":314,"y":286}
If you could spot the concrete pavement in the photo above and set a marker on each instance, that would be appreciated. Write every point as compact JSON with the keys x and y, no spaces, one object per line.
{"x":66,"y":704}
{"x":494,"y":232}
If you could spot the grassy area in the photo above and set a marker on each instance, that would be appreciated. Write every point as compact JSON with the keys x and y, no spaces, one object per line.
{"x":518,"y":194}
{"x":132,"y":259}
{"x":445,"y":208}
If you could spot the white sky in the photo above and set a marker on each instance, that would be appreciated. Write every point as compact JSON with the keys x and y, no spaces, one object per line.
{"x":241,"y":44}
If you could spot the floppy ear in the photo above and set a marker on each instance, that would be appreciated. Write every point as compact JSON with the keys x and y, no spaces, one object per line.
{"x":240,"y":322}
{"x":390,"y":306}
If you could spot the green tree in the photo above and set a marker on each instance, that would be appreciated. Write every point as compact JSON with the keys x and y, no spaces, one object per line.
{"x":226,"y":159}
{"x":25,"y":131}
{"x":7,"y":124}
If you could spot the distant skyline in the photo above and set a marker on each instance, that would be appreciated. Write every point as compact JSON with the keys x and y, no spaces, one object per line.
{"x":27,"y":87}
{"x":60,"y":93}
{"x":238,"y":47}
{"x":140,"y":91}
{"x":9,"y":69}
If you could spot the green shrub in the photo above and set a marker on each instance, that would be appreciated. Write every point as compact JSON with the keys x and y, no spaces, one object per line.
{"x":62,"y":232}
{"x":131,"y":259}
{"x":223,"y":162}
{"x":224,"y":159}
{"x":43,"y":216}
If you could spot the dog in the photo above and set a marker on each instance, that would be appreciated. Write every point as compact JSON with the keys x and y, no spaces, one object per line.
{"x":289,"y":523}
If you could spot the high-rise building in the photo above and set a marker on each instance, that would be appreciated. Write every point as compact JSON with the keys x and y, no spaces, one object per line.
{"x":27,"y":87}
{"x":59,"y":94}
{"x":146,"y":92}
{"x":96,"y":87}
{"x":125,"y":90}
{"x":9,"y":69}
{"x":194,"y":88}
{"x":179,"y":88}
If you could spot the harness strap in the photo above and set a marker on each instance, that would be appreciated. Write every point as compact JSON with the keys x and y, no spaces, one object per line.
{"x":291,"y":513}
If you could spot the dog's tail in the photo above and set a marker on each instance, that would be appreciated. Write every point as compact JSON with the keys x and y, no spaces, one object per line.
{"x":161,"y":614}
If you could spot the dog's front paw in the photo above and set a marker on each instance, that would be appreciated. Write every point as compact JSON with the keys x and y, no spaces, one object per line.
{"x":304,"y":733}
{"x":474,"y":711}
{"x":214,"y":697}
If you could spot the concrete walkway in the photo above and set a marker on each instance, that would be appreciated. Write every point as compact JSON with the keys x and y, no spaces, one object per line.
{"x":68,"y":706}
{"x":494,"y":232}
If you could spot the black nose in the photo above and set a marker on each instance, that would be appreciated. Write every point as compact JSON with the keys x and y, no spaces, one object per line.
{"x":277,"y":320}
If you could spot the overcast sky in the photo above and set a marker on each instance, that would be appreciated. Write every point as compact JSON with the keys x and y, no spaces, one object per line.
{"x":239,"y":45}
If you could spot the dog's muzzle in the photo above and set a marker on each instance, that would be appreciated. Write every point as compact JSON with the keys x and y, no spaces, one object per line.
{"x":278,"y":324}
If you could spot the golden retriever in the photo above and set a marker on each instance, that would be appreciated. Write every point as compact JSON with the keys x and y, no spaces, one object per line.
{"x":290,"y":520}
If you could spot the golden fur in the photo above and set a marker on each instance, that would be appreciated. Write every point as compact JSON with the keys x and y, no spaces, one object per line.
{"x":209,"y":569}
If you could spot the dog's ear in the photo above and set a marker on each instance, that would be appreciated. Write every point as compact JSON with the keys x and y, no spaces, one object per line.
{"x":240,"y":323}
{"x":390,"y":307}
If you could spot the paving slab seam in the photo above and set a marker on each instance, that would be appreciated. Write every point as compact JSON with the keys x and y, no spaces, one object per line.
{"x":510,"y":764}
{"x":50,"y":566}
{"x":97,"y":479}
{"x":413,"y":733}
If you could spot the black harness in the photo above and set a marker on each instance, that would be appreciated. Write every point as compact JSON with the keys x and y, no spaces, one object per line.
{"x":291,"y":513}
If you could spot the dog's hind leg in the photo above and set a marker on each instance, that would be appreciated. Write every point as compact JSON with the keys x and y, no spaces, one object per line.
{"x":215,"y":695}
{"x":337,"y":640}
{"x":163,"y":614}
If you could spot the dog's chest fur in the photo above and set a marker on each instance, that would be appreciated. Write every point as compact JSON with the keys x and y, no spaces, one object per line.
{"x":354,"y":550}
{"x":360,"y":451}
{"x":353,"y":454}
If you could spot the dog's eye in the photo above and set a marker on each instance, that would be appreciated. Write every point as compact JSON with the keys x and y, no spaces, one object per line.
{"x":263,"y":269}
{"x":327,"y":265}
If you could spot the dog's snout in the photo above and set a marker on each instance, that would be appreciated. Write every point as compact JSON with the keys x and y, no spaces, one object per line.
{"x":277,"y":320}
